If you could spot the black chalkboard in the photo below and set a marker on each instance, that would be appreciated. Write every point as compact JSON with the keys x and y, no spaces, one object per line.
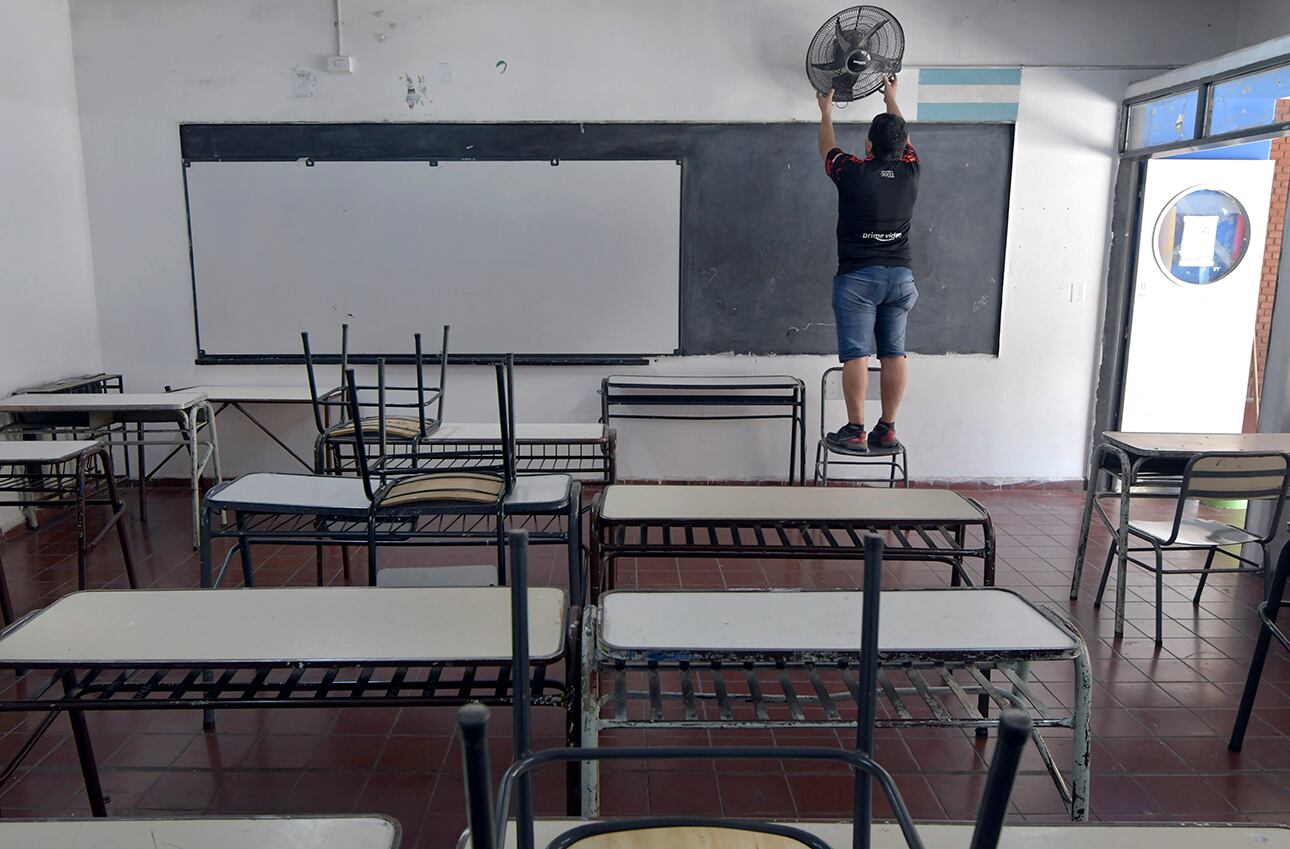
{"x":757,"y":214}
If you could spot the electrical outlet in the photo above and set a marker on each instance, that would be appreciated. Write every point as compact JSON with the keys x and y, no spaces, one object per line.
{"x":340,"y":64}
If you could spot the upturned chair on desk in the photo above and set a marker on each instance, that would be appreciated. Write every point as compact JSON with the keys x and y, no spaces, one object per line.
{"x":420,"y":406}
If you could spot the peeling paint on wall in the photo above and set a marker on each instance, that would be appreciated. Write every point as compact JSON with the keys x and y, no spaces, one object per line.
{"x":416,"y":90}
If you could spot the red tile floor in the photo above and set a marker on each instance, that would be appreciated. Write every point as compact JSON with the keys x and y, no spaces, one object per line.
{"x":1161,"y":716}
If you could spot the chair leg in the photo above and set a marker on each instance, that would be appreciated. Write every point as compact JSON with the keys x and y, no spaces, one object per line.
{"x":1204,"y":576}
{"x":82,"y":540}
{"x":1267,"y":569}
{"x":1160,"y":596}
{"x":320,"y":571}
{"x":371,"y":551}
{"x":6,"y":603}
{"x":118,"y":517}
{"x":501,"y":548}
{"x":244,"y":551}
{"x":1271,"y":606}
{"x":1106,"y":573}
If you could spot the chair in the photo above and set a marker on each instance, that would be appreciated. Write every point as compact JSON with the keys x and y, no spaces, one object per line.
{"x":400,"y":500}
{"x":1239,"y":476}
{"x":333,"y":446}
{"x":1268,"y":629}
{"x":894,"y":459}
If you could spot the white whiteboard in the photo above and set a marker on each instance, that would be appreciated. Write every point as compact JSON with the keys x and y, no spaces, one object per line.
{"x":525,"y":257}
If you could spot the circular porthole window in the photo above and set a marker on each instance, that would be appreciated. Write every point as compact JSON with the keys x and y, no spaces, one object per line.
{"x":1201,"y":236}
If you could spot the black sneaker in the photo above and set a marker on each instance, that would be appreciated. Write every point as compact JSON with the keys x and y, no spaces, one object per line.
{"x":883,"y":437}
{"x":848,"y":440}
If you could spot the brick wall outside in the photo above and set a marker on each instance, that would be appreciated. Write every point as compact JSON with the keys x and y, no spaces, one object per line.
{"x":1272,"y":255}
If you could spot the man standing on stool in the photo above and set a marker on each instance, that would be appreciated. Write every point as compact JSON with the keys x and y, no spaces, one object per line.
{"x":874,"y":290}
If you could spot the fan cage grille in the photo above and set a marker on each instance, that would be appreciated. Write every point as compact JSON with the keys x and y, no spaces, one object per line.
{"x":885,"y":41}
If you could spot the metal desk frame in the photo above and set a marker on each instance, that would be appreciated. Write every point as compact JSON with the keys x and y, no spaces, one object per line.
{"x":111,"y":421}
{"x":92,"y":384}
{"x":591,"y":460}
{"x":758,"y":392}
{"x":77,"y":687}
{"x":48,"y":483}
{"x":224,"y":397}
{"x":796,"y":689}
{"x":803,"y":538}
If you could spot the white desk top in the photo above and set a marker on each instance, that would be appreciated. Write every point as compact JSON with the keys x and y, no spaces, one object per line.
{"x":635,"y":502}
{"x":101,"y":402}
{"x":524,"y":432}
{"x":949,"y":620}
{"x":304,"y":832}
{"x":704,"y":381}
{"x":1195,"y":443}
{"x":296,"y":394}
{"x":304,"y":492}
{"x":14,"y":451}
{"x":307,"y":624}
{"x":1057,"y":836}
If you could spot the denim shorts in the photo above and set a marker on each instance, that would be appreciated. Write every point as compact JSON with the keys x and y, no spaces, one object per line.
{"x":871,"y":303}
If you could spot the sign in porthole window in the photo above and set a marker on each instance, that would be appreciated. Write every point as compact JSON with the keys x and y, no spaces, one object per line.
{"x":1201,"y":236}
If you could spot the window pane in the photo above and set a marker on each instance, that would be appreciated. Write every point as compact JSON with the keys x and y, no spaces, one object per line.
{"x":1250,"y":101}
{"x":1163,"y":120}
{"x":1202,"y":236}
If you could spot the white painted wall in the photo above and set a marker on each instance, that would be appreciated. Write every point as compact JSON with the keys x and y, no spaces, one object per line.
{"x":145,"y":66}
{"x":48,"y":323}
{"x":1261,"y":20}
{"x":50,"y":327}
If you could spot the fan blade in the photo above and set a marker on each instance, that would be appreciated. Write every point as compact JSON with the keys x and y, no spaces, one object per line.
{"x":844,"y":46}
{"x":836,"y":65}
{"x":883,"y":65}
{"x":867,"y":37}
{"x":843,"y":83}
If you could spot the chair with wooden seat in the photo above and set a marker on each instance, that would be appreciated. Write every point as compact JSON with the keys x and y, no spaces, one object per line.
{"x":1213,"y":475}
{"x":419,"y":418}
{"x":400,"y":501}
{"x":490,"y":824}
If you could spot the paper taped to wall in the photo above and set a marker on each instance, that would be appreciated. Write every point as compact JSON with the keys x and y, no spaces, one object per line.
{"x":1199,"y":239}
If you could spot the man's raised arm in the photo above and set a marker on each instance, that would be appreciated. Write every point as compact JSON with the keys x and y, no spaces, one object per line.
{"x":827,"y":141}
{"x":889,"y":95}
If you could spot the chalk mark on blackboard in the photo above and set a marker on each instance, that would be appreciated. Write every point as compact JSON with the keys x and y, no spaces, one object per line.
{"x":809,"y":325}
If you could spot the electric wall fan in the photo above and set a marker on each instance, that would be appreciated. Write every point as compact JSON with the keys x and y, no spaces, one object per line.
{"x":854,"y":52}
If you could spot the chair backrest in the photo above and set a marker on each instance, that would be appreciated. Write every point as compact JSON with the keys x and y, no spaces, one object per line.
{"x":487,"y":820}
{"x":472,"y":724}
{"x":831,"y":391}
{"x":1237,"y":476}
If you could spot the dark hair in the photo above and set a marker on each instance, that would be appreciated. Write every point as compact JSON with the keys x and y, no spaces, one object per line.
{"x":887,"y":134}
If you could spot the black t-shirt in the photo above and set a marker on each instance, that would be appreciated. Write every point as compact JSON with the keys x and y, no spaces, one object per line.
{"x":875,"y":207}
